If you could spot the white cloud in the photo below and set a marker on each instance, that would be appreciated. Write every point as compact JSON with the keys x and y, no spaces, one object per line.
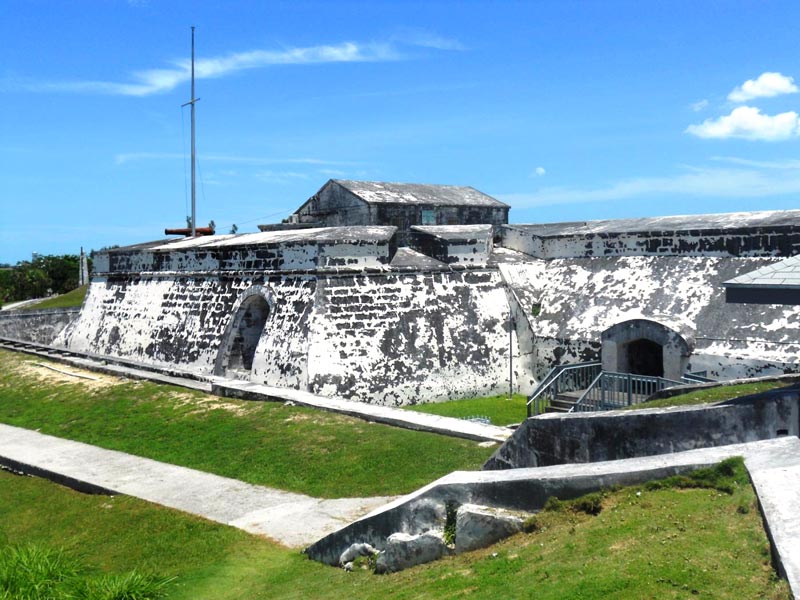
{"x":130,"y":157}
{"x":280,"y":176}
{"x":539,"y":172}
{"x":749,"y":123}
{"x":789,"y":164}
{"x":428,"y":40}
{"x":154,"y":81}
{"x":699,"y":182}
{"x":699,"y":105}
{"x":767,"y":85}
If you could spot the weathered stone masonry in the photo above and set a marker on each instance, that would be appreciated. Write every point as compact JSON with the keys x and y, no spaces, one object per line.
{"x":386,"y":335}
{"x":345,"y":312}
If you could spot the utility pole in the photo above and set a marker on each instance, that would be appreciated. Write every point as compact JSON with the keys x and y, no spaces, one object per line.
{"x":192,"y":103}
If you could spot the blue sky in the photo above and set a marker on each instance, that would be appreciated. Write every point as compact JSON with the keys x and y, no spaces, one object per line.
{"x":565,"y":110}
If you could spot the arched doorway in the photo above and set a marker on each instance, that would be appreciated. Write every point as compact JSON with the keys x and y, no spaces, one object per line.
{"x":644,"y":357}
{"x":646,"y":346}
{"x":241,"y":337}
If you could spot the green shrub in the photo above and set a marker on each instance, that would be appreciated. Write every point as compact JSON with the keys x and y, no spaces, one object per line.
{"x":449,"y":536}
{"x":39,"y":573}
{"x":35,"y":573}
{"x":130,"y":586}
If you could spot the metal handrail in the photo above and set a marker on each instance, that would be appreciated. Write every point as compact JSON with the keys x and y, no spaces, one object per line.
{"x":561,"y":378}
{"x":696,"y":378}
{"x":611,"y":390}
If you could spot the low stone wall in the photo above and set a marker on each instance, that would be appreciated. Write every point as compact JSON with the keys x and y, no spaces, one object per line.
{"x":37,"y":326}
{"x":591,"y":437}
{"x":519,"y":489}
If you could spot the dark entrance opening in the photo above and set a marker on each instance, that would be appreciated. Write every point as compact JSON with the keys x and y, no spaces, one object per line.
{"x":645,"y":358}
{"x":248,"y":325}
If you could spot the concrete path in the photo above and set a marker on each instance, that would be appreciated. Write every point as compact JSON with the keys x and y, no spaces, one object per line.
{"x":776,"y":479}
{"x":22,"y":303}
{"x":292,"y":519}
{"x":408,"y":419}
{"x":236,"y":388}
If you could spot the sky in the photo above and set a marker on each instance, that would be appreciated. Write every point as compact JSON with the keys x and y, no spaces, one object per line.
{"x":566,"y":110}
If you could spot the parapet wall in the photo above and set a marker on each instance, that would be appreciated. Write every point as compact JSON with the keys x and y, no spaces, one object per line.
{"x":36,"y":326}
{"x":710,"y":235}
{"x":292,"y":250}
{"x":612,"y":435}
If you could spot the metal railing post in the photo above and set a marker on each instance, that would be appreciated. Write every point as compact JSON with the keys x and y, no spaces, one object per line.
{"x":630,"y":390}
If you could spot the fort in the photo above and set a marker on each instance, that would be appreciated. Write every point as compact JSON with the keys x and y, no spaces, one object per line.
{"x":435,"y":306}
{"x":393,"y":294}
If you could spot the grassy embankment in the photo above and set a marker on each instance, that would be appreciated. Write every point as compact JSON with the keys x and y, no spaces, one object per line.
{"x":68,"y":300}
{"x":711,"y":395}
{"x":655,"y":541}
{"x":290,"y":448}
{"x":500,"y":410}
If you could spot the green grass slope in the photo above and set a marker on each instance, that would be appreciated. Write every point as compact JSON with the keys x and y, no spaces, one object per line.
{"x":68,"y":300}
{"x":290,"y":448}
{"x":658,"y":541}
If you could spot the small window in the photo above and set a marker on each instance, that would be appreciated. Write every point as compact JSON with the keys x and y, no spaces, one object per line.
{"x":428,"y":217}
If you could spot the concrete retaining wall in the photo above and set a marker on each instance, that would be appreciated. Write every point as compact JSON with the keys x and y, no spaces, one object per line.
{"x":37,"y":326}
{"x":518,"y":489}
{"x":590,"y":437}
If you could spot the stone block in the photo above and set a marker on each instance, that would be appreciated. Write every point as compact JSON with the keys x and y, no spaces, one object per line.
{"x":404,"y":550}
{"x":482,"y":526}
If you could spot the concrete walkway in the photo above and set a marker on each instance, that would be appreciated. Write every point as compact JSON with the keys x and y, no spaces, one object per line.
{"x":291,"y":519}
{"x":408,"y":419}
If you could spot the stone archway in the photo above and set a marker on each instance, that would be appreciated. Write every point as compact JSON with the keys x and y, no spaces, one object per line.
{"x":659,"y":348}
{"x":243,"y":333}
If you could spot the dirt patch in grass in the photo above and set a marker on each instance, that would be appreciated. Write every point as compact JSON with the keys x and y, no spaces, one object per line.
{"x":55,"y":374}
{"x":204,"y":404}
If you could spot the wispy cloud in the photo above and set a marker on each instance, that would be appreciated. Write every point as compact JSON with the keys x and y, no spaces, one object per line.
{"x":130,"y":157}
{"x":539,"y":172}
{"x":426,"y":39}
{"x":697,"y":182}
{"x":155,"y":81}
{"x":747,"y":122}
{"x":280,"y":176}
{"x":788,"y":164}
{"x":699,"y":105}
{"x":333,"y":172}
{"x":767,"y":85}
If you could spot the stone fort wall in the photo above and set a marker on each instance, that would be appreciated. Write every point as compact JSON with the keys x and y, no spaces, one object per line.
{"x":389,"y":338}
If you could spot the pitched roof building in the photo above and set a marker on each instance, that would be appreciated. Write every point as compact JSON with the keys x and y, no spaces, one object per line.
{"x":403,"y":205}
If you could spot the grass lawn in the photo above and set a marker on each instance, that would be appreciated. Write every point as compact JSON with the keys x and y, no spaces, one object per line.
{"x":68,"y":300}
{"x":291,"y":448}
{"x":714,"y":394}
{"x":645,"y":543}
{"x":499,"y":409}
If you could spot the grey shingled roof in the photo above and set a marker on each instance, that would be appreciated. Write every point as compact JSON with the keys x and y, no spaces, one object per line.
{"x":771,"y":218}
{"x":379,"y":192}
{"x":783,"y":274}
